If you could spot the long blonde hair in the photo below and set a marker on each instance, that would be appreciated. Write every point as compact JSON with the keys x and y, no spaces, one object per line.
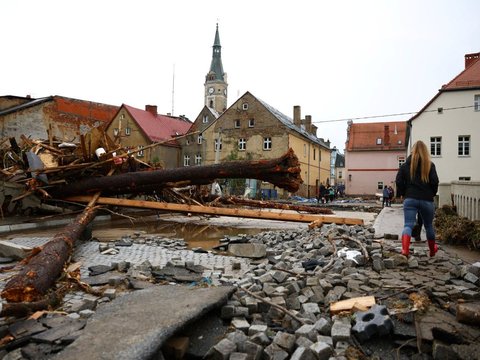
{"x":420,"y":155}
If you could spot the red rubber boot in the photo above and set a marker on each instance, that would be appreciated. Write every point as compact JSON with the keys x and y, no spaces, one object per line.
{"x":433,"y":247}
{"x":406,"y":244}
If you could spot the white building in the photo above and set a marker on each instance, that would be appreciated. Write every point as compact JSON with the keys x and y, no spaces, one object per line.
{"x":450,"y":125}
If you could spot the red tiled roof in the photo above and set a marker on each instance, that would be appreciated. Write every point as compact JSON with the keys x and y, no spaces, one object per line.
{"x":159,"y":127}
{"x":470,"y":77}
{"x":363,"y":136}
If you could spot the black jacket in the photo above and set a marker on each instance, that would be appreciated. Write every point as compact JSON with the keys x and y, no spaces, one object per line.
{"x":415,"y":188}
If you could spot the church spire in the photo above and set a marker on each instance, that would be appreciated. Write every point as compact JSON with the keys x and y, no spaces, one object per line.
{"x":216,"y":80}
{"x":216,"y":66}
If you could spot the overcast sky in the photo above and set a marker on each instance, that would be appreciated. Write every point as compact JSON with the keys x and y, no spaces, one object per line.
{"x":336,"y":59}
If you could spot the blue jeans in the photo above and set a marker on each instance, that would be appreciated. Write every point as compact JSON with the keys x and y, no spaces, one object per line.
{"x":426,"y":209}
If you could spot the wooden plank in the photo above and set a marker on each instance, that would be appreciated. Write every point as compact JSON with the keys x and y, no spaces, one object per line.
{"x":236,"y":212}
{"x":349,"y":304}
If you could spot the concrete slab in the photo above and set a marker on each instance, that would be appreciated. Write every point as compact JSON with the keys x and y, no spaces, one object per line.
{"x":136,"y":325}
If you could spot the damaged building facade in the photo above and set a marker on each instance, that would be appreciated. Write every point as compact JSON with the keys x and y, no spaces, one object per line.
{"x":52,"y":117}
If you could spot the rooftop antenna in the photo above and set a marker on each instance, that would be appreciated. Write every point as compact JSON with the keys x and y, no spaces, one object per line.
{"x":173,"y":90}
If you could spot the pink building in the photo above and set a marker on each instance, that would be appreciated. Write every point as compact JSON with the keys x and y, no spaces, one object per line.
{"x":373,"y":154}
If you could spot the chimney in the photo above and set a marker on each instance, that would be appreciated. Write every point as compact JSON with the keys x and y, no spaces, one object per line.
{"x":297,"y":115}
{"x":471,"y":58}
{"x":308,"y":123}
{"x":386,"y":135}
{"x":152,"y":109}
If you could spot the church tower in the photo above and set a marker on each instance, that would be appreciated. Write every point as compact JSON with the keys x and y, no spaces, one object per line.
{"x":216,"y":80}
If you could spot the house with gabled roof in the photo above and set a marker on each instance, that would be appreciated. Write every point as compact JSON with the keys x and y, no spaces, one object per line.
{"x":251,"y":129}
{"x":373,"y":154}
{"x":450,"y":125}
{"x":52,"y":117}
{"x":194,"y":146}
{"x":135,"y":129}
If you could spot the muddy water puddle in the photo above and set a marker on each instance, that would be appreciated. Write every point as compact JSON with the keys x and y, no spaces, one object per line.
{"x":204,"y":236}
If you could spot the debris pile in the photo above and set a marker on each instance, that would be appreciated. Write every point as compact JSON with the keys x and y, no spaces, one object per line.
{"x":329,"y":292}
{"x":457,"y":230}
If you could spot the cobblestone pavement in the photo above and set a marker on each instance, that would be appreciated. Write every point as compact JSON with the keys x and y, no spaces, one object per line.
{"x":88,"y":254}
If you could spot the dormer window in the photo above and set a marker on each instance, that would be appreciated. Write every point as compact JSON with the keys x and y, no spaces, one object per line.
{"x":205,"y":119}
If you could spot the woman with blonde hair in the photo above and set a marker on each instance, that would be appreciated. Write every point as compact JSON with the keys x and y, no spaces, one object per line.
{"x":417,"y":184}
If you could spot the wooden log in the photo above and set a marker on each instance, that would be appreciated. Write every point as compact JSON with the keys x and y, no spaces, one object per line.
{"x":274,"y":205}
{"x":43,"y":269}
{"x":237,"y":212}
{"x":283,"y":172}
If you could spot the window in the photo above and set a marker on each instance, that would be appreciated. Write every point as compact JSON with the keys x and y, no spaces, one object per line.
{"x":242,"y":144}
{"x":379,"y":141}
{"x":304,"y":150}
{"x":401,"y":160}
{"x":237,"y":124}
{"x":122,"y":116}
{"x":464,"y":145}
{"x":205,"y":119}
{"x":187,"y":142}
{"x":186,"y":160}
{"x":140,"y":151}
{"x":245,"y":106}
{"x":380,"y":185}
{"x":267,"y":143}
{"x":128,"y":131}
{"x":198,"y":159}
{"x":115,"y":132}
{"x":464,"y":178}
{"x":251,"y":123}
{"x":340,"y":174}
{"x":476,"y":102}
{"x":314,"y":153}
{"x":218,"y":144}
{"x":436,"y":146}
{"x":200,"y":138}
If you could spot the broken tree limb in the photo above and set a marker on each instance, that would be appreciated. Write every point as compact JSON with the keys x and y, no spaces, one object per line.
{"x":283,"y":172}
{"x":237,"y":212}
{"x":273,"y":205}
{"x":41,"y":272}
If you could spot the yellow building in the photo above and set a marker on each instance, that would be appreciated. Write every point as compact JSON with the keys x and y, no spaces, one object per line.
{"x":251,"y":129}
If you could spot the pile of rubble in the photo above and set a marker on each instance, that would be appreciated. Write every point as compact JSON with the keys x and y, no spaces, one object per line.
{"x":333,"y":292}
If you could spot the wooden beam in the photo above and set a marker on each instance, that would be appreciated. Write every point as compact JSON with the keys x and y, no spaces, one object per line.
{"x":236,"y":212}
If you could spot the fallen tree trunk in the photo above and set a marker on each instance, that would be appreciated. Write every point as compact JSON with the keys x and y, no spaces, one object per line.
{"x":283,"y":172}
{"x":273,"y":205}
{"x":247,"y":213}
{"x":43,"y":268}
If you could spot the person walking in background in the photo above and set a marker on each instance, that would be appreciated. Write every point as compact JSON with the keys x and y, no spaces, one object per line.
{"x":417,"y":183}
{"x":385,"y":196}
{"x":391,"y":194}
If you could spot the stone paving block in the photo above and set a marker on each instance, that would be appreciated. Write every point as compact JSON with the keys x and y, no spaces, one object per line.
{"x":322,"y":350}
{"x":375,"y":321}
{"x":341,"y":329}
{"x":274,"y":352}
{"x":285,"y":340}
{"x":302,"y":353}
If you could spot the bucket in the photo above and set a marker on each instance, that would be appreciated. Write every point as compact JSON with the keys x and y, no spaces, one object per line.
{"x":100,"y":151}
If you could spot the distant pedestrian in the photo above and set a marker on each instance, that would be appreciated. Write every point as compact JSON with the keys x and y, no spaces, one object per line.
{"x":321,"y":194}
{"x":385,"y":196}
{"x":391,"y":195}
{"x":417,"y":182}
